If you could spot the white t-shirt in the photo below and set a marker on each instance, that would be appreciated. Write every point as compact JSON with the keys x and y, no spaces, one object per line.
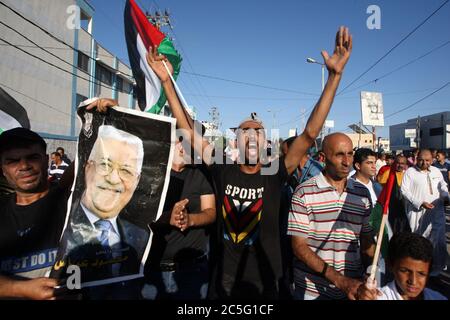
{"x":390,"y":292}
{"x":369,"y":186}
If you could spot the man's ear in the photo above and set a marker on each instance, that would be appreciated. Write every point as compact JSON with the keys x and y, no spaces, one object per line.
{"x":357,"y":166}
{"x":322,"y":154}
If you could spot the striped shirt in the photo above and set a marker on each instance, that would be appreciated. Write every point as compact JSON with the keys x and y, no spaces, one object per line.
{"x":56,"y":171}
{"x":332,"y":223}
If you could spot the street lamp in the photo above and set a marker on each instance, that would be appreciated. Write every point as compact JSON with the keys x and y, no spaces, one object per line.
{"x":311,"y":60}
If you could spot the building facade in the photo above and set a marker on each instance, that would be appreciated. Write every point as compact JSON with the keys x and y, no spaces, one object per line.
{"x":363,"y":140}
{"x":50,"y":62}
{"x":434,"y":132}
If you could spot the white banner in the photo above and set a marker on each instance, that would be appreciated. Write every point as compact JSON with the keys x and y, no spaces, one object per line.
{"x":372,"y":109}
{"x":410,"y":133}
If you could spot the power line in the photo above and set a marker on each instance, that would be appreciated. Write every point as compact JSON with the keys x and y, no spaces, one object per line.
{"x":257,"y":98}
{"x":394,"y":47}
{"x":96,"y":82}
{"x":56,"y":48}
{"x":49,"y":33}
{"x":130,"y":76}
{"x":386,"y":94}
{"x":401,"y":67}
{"x":418,"y":101}
{"x":200,"y":86}
{"x":300,"y":99}
{"x":45,"y":50}
{"x":297,"y":117}
{"x":148,"y":9}
{"x":51,"y":64}
{"x":250,"y":84}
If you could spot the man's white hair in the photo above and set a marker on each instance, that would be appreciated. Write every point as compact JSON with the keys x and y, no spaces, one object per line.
{"x":110,"y":132}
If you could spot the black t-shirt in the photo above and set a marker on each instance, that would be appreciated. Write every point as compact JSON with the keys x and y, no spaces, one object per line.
{"x":169,"y":243}
{"x":249,"y":226}
{"x":29,"y":235}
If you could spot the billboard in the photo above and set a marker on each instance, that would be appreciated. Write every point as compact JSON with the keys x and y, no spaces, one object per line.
{"x":448,"y":136}
{"x":329,"y":123}
{"x":372,"y":109}
{"x":410,"y":133}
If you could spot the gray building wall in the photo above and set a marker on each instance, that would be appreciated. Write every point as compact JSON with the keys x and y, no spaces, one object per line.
{"x":435,"y":132}
{"x":47,"y":93}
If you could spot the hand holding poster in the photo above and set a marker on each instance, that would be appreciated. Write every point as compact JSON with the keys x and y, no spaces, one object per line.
{"x":120,"y":186}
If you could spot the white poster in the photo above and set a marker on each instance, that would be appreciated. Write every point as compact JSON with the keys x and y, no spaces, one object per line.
{"x":372,"y":109}
{"x":410,"y":133}
{"x":122,"y":175}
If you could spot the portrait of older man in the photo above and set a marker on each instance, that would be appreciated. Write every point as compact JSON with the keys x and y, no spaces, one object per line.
{"x":97,"y":237}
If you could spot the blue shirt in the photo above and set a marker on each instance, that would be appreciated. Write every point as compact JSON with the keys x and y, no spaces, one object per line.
{"x":444,"y":168}
{"x":311,"y":169}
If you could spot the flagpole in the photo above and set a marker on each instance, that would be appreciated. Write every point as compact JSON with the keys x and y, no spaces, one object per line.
{"x":180,"y":95}
{"x":389,"y":186}
{"x":378,"y":248}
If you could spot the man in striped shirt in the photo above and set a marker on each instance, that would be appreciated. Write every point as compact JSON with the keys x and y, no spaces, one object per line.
{"x":57,"y":167}
{"x":329,"y":225}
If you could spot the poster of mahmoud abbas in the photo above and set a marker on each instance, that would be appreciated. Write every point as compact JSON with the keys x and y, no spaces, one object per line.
{"x":121,"y":179}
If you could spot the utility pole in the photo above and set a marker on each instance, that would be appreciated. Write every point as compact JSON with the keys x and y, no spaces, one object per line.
{"x":360,"y":130}
{"x":159,"y":20}
{"x":215,"y":119}
{"x":274,"y":116}
{"x":418,"y":132}
{"x":374,"y":137}
{"x":444,"y":132}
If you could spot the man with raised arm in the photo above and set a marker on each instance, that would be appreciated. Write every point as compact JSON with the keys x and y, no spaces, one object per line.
{"x":249,"y":258}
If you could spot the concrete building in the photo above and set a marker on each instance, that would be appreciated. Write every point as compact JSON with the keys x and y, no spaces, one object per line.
{"x":384,"y":144}
{"x":51,"y":83}
{"x":363,"y":140}
{"x":434,"y":132}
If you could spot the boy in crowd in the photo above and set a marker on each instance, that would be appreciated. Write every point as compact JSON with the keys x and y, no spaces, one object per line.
{"x":410,"y":259}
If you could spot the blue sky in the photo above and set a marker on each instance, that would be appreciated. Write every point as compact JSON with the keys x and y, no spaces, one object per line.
{"x":267,"y":43}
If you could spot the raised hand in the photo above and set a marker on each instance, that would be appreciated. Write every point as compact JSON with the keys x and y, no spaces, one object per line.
{"x":155,"y":61}
{"x":102,"y":104}
{"x":343,"y":47}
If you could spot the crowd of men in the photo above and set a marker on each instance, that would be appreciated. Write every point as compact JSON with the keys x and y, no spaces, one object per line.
{"x":230,"y":231}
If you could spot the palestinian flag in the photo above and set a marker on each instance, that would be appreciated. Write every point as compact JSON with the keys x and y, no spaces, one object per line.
{"x":381,"y":208}
{"x":140,"y":34}
{"x":12,"y":114}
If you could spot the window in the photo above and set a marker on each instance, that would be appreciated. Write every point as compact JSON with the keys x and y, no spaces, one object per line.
{"x":437,"y":131}
{"x":119,"y":84}
{"x":103,"y":74}
{"x":123,"y":85}
{"x":83,"y":61}
{"x":85,"y":20}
